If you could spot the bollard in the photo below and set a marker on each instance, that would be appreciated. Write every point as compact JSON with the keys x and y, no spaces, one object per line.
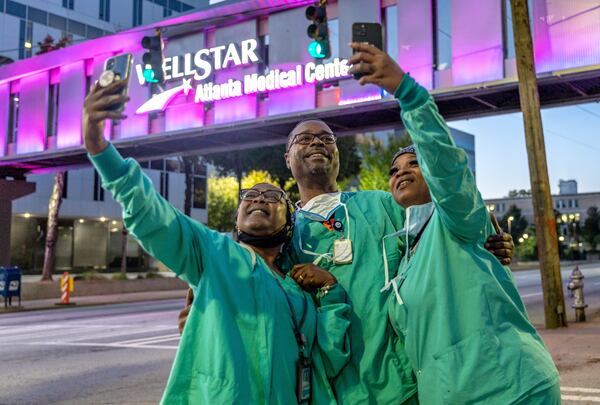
{"x":66,"y":288}
{"x":576,"y":287}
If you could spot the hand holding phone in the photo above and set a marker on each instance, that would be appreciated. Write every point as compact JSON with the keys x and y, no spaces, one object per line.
{"x":116,"y":68}
{"x":366,"y":33}
{"x":375,"y":67}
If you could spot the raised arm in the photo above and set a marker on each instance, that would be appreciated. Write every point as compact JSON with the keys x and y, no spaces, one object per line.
{"x":182,"y":244}
{"x":443,"y":164}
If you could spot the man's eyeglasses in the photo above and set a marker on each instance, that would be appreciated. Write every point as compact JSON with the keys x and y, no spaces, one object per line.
{"x":306,"y":138}
{"x":271,"y":196}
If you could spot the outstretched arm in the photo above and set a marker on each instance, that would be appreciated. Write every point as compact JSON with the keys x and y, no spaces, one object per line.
{"x":443,"y":164}
{"x":181,"y":243}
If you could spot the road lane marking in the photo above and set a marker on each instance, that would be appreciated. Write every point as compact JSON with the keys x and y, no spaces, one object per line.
{"x":113,"y":333}
{"x":531,"y":295}
{"x":581,"y":389}
{"x":149,"y":339}
{"x":113,"y":345}
{"x":579,"y":398}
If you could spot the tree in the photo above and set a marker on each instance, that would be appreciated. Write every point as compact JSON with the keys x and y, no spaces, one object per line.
{"x":519,"y":193}
{"x":223,"y":198}
{"x":270,"y":159}
{"x":526,"y":249}
{"x":190,"y":166}
{"x":591,"y":228}
{"x":52,"y":227}
{"x":47,"y":44}
{"x":376,"y":159}
{"x":518,"y":224}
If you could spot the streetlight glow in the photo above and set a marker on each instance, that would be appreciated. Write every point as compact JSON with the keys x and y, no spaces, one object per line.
{"x":525,"y":236}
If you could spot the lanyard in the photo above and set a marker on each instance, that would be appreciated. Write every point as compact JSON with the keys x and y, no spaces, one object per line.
{"x":326,"y":255}
{"x":300,"y":338}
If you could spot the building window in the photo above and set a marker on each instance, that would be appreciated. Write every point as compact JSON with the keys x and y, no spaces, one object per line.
{"x":576,"y":203}
{"x":65,"y":185}
{"x":137,"y":12}
{"x":105,"y":10}
{"x":52,"y":120}
{"x":164,"y":185}
{"x":70,"y":4}
{"x":16,"y":9}
{"x":199,"y":192}
{"x":13,"y":118}
{"x":334,"y":38}
{"x":77,"y":28}
{"x":391,"y":31}
{"x":98,"y":190}
{"x":25,"y":38}
{"x":443,"y":34}
{"x":58,"y":22}
{"x":167,"y":12}
{"x":37,"y":15}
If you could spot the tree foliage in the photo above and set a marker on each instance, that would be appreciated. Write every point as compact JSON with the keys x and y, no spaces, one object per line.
{"x":47,"y":44}
{"x":519,"y":193}
{"x":376,"y":158}
{"x":223,"y":198}
{"x":591,"y":228}
{"x":518,"y":224}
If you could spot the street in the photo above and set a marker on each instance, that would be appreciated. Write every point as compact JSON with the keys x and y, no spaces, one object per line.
{"x":113,"y":354}
{"x":122,"y":354}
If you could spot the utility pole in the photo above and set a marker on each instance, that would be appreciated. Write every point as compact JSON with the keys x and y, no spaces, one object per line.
{"x":545,"y":222}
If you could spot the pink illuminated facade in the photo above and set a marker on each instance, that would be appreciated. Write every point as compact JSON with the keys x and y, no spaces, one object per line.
{"x":53,"y":86}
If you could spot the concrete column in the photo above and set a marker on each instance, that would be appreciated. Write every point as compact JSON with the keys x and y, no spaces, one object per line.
{"x":9,"y":190}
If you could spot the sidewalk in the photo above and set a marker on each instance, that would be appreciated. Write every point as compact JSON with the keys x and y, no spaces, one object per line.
{"x":576,"y":352}
{"x":32,"y":305}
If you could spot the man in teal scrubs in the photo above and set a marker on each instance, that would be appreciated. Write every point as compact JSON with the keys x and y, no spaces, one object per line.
{"x":343,"y":232}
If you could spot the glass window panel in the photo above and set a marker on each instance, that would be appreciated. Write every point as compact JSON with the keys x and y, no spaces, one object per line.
{"x":37,"y":15}
{"x":16,"y":9}
{"x":58,"y":22}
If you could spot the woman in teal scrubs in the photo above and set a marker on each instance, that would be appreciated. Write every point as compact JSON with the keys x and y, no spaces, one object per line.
{"x":253,"y":336}
{"x":457,"y":309}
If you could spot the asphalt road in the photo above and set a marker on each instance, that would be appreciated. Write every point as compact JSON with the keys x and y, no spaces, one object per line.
{"x":122,"y":354}
{"x":113,"y":354}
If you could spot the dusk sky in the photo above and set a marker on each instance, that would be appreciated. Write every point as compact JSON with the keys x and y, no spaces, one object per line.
{"x":572,"y":136}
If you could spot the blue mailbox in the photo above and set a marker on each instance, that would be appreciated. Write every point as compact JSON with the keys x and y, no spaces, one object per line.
{"x":10,"y":284}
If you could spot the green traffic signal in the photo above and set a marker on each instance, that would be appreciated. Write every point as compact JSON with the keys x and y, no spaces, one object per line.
{"x":318,"y":49}
{"x":149,"y":75}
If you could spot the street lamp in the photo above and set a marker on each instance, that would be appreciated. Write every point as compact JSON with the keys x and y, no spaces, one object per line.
{"x":525,"y":236}
{"x":521,"y":240}
{"x":510,"y":220}
{"x":561,"y":238}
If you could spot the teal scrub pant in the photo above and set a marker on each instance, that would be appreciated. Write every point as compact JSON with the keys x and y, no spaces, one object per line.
{"x":549,"y":396}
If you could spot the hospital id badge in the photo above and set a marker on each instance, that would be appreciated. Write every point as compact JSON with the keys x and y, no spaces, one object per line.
{"x":342,"y":251}
{"x":303,"y":380}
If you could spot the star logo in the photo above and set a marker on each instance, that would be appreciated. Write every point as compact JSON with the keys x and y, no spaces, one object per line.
{"x":187,"y":85}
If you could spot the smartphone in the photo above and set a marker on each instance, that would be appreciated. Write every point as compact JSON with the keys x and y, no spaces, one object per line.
{"x":117,"y":67}
{"x":369,"y":33}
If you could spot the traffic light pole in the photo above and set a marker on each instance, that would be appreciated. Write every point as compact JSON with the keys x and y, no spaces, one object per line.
{"x":545,"y":222}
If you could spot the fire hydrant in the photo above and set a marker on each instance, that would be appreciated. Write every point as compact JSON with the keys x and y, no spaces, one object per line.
{"x":576,"y":287}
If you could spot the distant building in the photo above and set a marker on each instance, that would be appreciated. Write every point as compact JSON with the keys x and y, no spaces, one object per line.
{"x":571,"y":205}
{"x":24,"y":23}
{"x":90,"y":224}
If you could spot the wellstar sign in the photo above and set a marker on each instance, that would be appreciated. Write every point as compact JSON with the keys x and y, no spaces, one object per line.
{"x":195,"y":68}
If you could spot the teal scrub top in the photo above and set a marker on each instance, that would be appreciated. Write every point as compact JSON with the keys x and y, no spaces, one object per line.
{"x":378,"y":371}
{"x":465,"y":327}
{"x":238,"y":345}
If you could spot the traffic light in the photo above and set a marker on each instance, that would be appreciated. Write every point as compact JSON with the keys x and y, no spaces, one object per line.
{"x":318,"y":48}
{"x":153,"y":59}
